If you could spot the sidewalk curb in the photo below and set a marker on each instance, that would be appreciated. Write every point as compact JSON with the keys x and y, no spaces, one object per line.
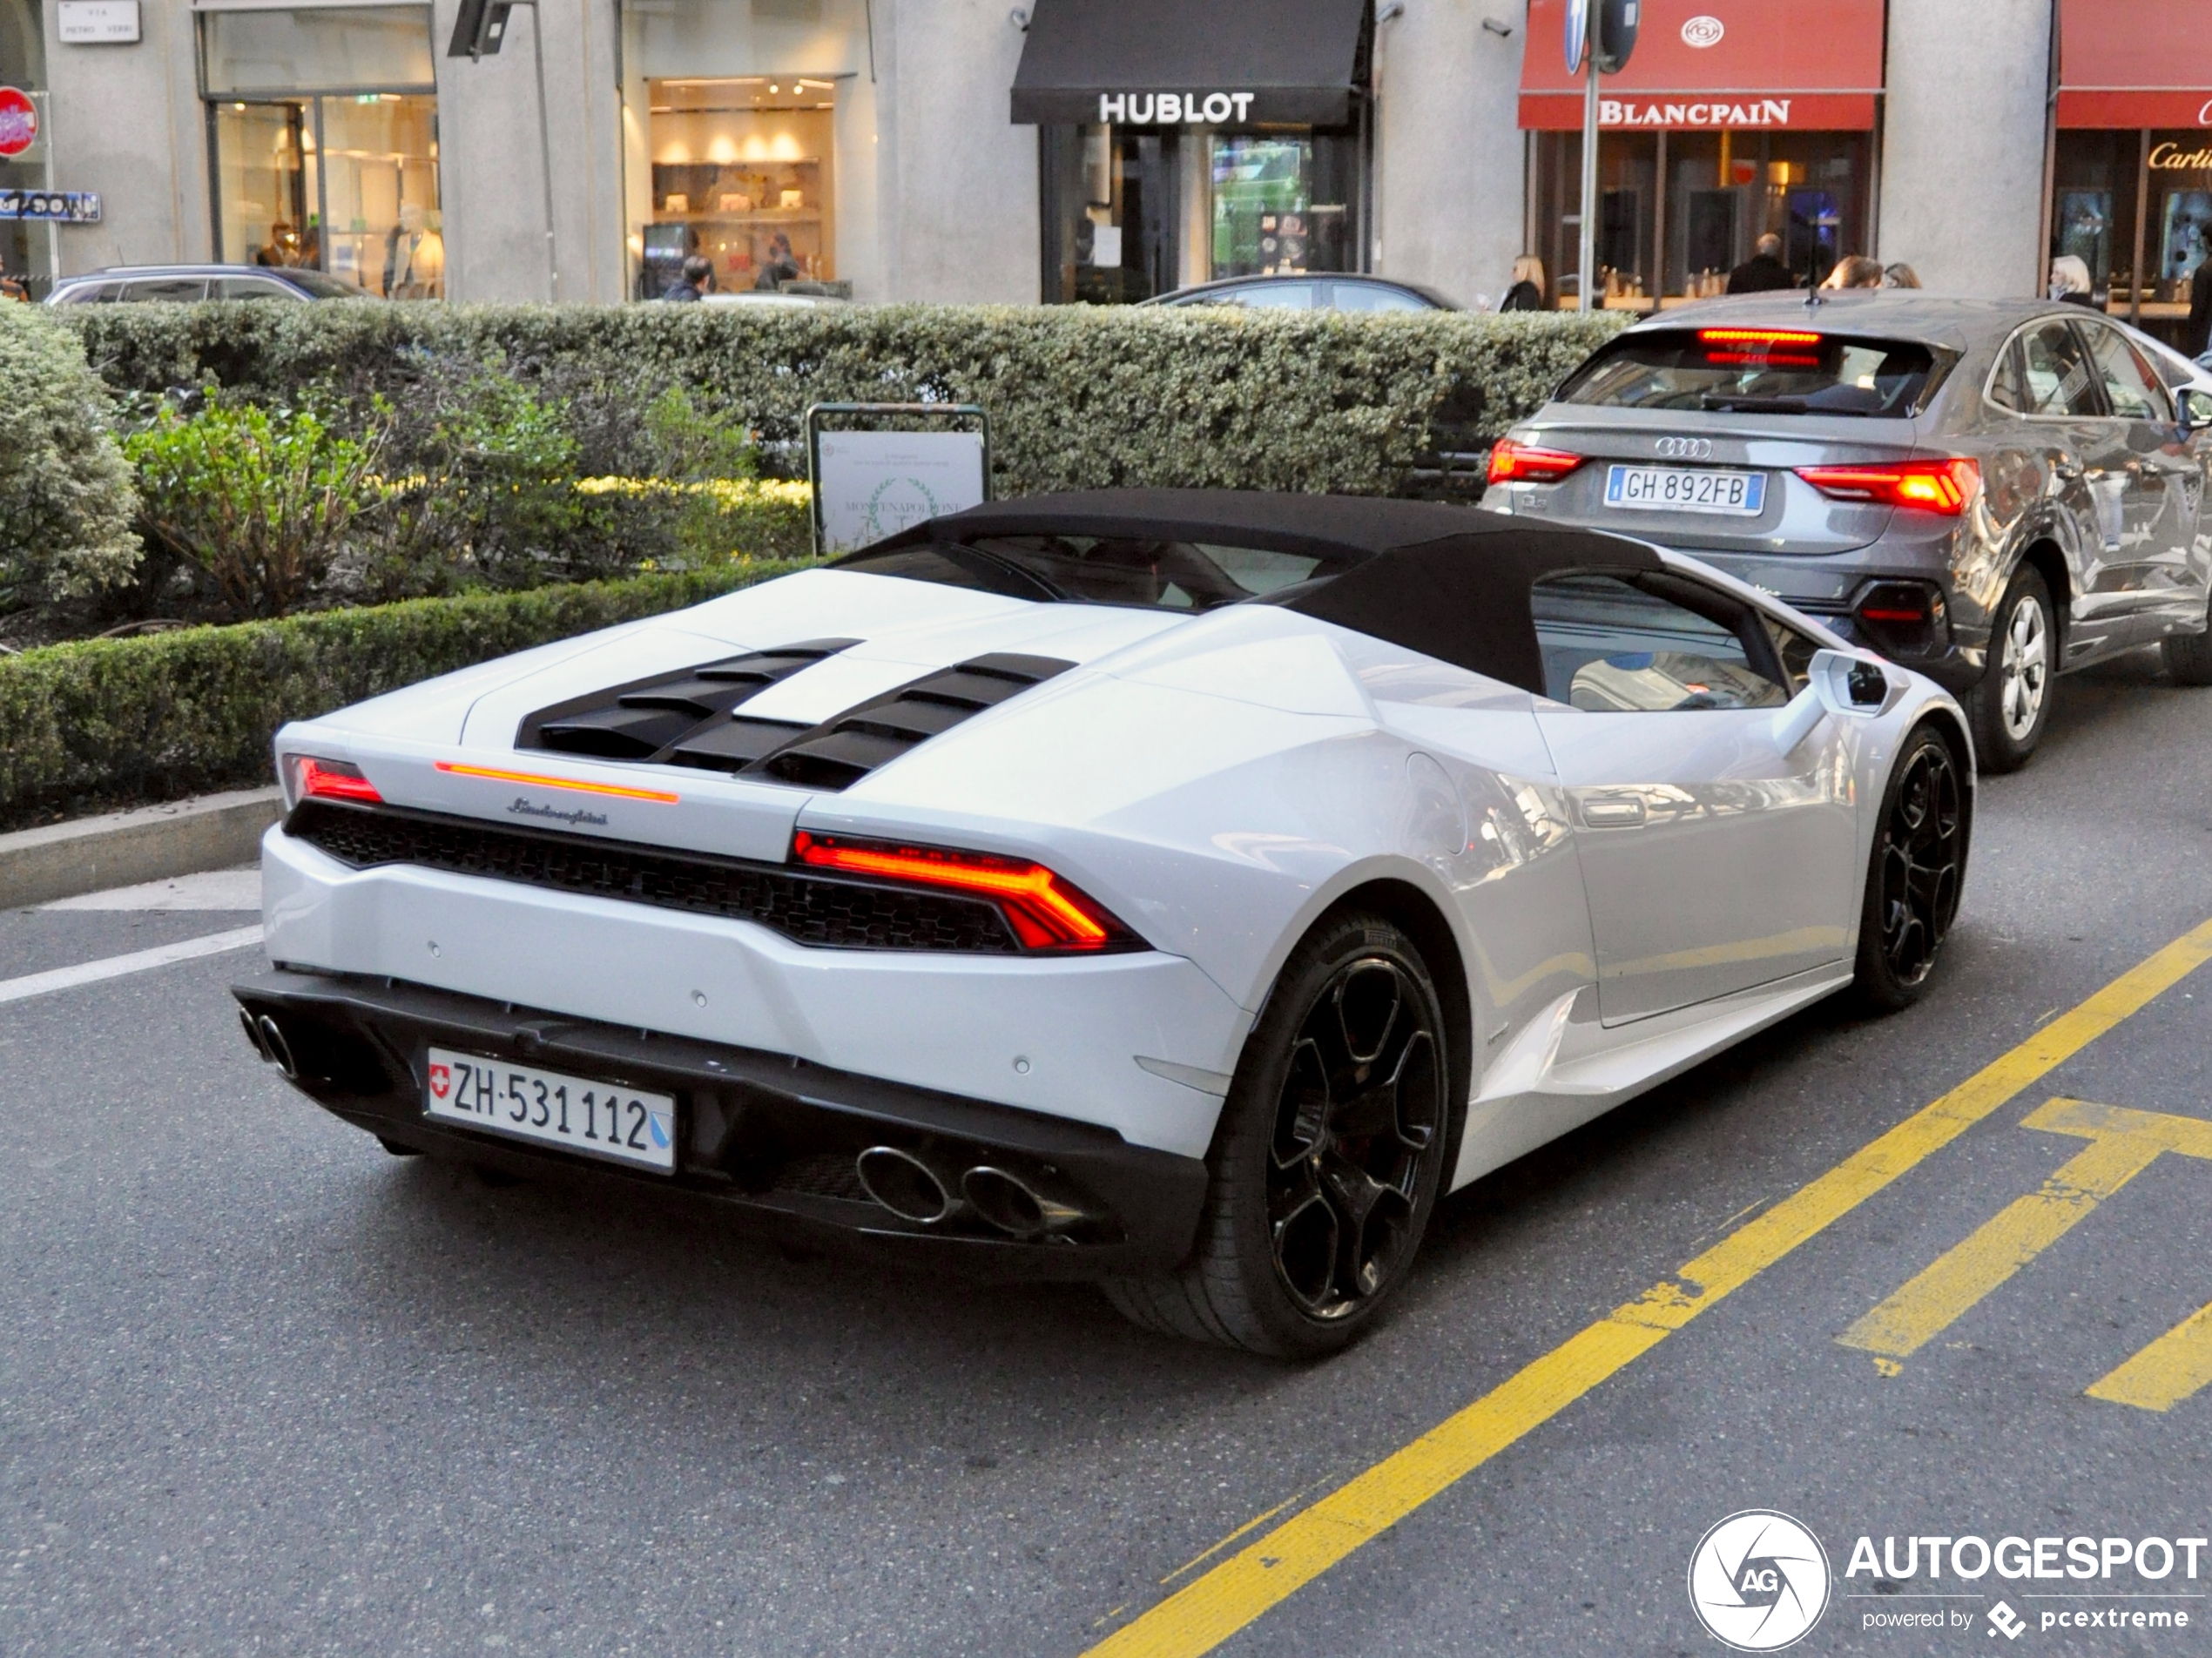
{"x":123,"y":848}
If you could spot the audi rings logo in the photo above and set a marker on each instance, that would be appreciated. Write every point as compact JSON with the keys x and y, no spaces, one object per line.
{"x":1685,"y":449}
{"x":1703,"y":31}
{"x":1758,"y":1580}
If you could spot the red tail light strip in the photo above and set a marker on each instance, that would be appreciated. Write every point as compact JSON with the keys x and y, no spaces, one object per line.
{"x":1044,"y":910}
{"x":1756,"y":337}
{"x":1943,"y":487}
{"x":313,"y":779}
{"x":1512,"y":463}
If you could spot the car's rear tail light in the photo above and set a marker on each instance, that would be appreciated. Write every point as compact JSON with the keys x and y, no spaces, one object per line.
{"x":1512,"y":463}
{"x":1901,"y":616}
{"x":313,"y":779}
{"x":1942,"y":486}
{"x":1046,"y":912}
{"x":1775,"y":347}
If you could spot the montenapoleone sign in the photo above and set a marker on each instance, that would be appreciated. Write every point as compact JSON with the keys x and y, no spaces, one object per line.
{"x":1173,"y":109}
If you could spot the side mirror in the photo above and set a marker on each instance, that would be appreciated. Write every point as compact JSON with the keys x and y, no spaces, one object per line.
{"x":2195,"y":410}
{"x":1852,"y":687}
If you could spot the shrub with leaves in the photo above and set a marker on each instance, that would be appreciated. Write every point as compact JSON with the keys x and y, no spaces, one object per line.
{"x":65,"y":495}
{"x":261,"y":501}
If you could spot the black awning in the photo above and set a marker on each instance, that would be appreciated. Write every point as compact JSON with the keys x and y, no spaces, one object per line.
{"x":1188,"y":63}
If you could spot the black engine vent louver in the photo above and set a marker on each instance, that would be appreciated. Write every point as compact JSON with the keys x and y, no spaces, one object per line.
{"x":839,"y":753}
{"x":688,"y":719}
{"x":637,"y":721}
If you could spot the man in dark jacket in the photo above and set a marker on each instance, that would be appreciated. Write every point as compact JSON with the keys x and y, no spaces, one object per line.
{"x":1763,"y":272}
{"x":698,"y":277}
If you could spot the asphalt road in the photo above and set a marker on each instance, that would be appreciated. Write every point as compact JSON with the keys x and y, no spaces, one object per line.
{"x":263,"y":1389}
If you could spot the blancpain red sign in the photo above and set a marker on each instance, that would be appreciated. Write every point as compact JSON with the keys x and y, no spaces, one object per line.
{"x":1693,"y":112}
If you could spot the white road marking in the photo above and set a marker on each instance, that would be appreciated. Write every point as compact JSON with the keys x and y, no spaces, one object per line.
{"x":115,"y":966}
{"x":218,"y":889}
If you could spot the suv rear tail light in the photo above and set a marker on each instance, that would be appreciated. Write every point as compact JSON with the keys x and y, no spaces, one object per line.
{"x":1512,"y":463}
{"x":1047,"y":913}
{"x":1902,"y":616}
{"x":313,"y":779}
{"x":1942,"y":486}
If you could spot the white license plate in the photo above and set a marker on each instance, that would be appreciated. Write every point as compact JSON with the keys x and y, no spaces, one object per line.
{"x":598,"y":1118}
{"x":1741,"y":494}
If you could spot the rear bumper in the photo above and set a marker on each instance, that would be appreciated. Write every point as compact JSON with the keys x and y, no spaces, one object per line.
{"x":1829,"y":588}
{"x":765,"y":1134}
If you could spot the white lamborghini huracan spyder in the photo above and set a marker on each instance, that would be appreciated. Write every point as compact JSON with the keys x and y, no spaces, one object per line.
{"x":1180,"y":889}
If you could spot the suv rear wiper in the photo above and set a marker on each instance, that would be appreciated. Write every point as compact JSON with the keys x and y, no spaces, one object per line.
{"x":1711,"y":401}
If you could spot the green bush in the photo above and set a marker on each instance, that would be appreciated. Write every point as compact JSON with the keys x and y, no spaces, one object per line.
{"x":1078,"y":397}
{"x":65,"y":496}
{"x":112,"y":721}
{"x":260,"y":501}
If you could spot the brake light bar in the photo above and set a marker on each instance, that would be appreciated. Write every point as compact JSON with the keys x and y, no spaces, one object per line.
{"x":1944,"y":487}
{"x":313,"y":779}
{"x":1756,"y":337}
{"x":1512,"y":463}
{"x":1046,"y":912}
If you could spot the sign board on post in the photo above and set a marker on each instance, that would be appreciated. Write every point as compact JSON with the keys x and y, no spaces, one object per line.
{"x":871,"y":484}
{"x":60,"y":206}
{"x":98,"y":23}
{"x":19,"y":121}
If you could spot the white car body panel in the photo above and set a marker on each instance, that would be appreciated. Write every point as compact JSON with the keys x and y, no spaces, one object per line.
{"x":1217,"y":781}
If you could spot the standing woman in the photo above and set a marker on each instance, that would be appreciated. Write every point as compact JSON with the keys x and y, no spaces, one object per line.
{"x":1527,"y":292}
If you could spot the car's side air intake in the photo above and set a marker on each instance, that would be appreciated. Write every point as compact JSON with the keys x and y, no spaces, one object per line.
{"x":692,"y":717}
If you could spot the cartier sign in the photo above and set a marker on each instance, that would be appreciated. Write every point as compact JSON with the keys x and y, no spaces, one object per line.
{"x":2171,"y":157}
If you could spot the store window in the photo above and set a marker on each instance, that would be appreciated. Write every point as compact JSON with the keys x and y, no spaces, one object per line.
{"x":743,"y":172}
{"x":749,"y":133}
{"x":323,"y":141}
{"x":2135,"y":208}
{"x":1679,"y":210}
{"x":1131,"y":211}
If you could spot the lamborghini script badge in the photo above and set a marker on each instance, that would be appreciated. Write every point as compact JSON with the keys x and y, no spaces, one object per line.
{"x":523,"y":808}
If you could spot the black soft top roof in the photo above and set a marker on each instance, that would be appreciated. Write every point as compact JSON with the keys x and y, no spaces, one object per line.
{"x":1449,"y":582}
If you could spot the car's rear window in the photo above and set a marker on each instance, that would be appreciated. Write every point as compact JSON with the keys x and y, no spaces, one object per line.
{"x":1155,"y":573}
{"x":1763,"y":371}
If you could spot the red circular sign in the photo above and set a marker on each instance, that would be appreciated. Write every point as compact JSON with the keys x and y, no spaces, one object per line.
{"x":19,"y":121}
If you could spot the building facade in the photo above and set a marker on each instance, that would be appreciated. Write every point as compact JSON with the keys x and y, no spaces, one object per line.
{"x":1107,"y":150}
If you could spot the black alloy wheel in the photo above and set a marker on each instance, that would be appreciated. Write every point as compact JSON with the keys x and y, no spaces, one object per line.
{"x":1331,"y":1151}
{"x":1361,"y":1113}
{"x":1920,"y":862}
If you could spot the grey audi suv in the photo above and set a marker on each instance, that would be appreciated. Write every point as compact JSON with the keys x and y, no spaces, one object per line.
{"x":1993,"y":493}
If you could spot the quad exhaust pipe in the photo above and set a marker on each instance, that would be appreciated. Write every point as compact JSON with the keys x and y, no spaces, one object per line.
{"x":928,"y":1190}
{"x":268,"y":1041}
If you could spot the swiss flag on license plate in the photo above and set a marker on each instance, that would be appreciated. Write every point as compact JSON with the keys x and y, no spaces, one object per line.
{"x":440,"y":1080}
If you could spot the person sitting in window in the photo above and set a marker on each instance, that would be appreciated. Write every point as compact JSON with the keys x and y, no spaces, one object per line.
{"x":780,"y":266}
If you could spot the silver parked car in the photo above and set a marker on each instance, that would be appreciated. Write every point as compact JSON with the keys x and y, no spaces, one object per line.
{"x":1991,"y":492}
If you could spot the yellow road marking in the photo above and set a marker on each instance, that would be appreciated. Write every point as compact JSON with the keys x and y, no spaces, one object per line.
{"x":2123,"y":1144}
{"x":1255,"y":1521}
{"x":2166,"y":1372}
{"x":1209,"y":1609}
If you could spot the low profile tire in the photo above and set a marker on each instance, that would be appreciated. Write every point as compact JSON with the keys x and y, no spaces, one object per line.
{"x":2188,"y":658}
{"x":1913,"y":878}
{"x":2012,"y":704}
{"x":1328,"y":1157}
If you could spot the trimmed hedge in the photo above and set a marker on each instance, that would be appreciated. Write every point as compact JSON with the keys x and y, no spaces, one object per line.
{"x":65,"y":495}
{"x":1079,"y":397}
{"x":110,"y":722}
